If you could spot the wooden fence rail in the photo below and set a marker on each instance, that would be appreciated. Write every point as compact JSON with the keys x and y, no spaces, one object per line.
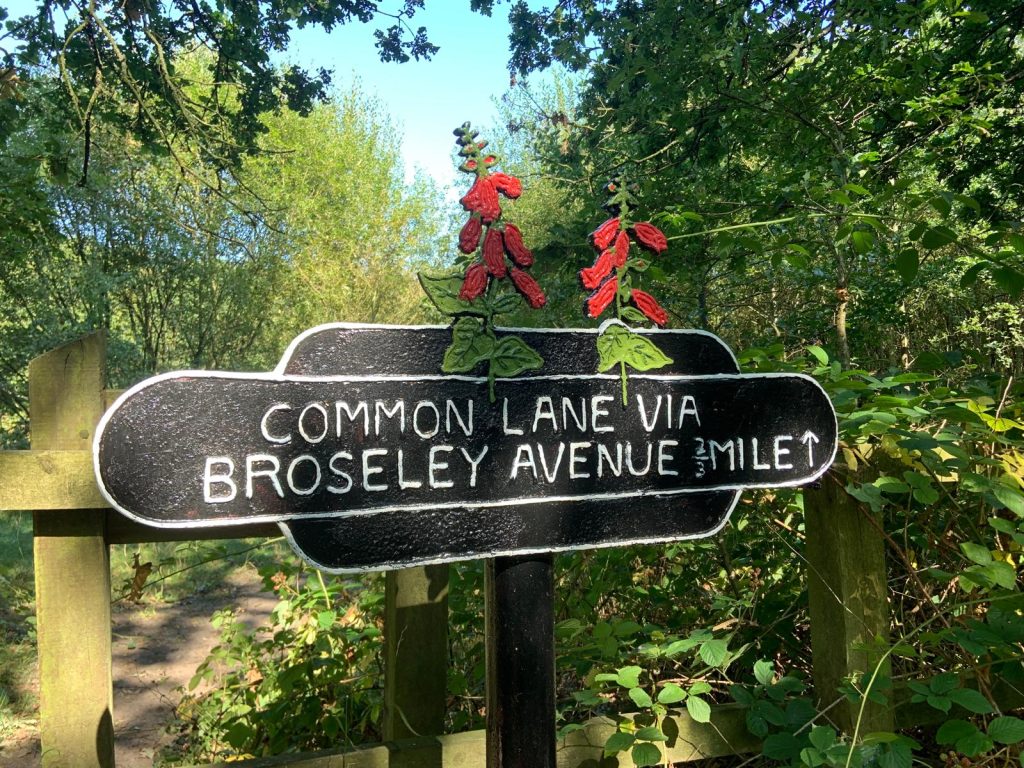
{"x":73,"y":528}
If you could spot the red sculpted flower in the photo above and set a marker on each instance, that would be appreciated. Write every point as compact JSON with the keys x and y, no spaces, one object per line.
{"x":520,"y":254}
{"x":621,"y":249}
{"x":494,"y":253}
{"x":469,"y":237}
{"x":604,"y":234}
{"x":527,"y":286}
{"x":600,"y":299}
{"x":474,"y":283}
{"x":509,"y":186}
{"x":482,"y":198}
{"x":649,"y":306}
{"x":650,"y":236}
{"x":591,"y":277}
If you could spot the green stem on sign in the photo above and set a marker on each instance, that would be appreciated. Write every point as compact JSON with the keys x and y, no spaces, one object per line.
{"x":620,"y":274}
{"x":489,"y":330}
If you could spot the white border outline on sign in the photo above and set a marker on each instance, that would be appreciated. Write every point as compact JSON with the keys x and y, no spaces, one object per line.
{"x":254,"y":519}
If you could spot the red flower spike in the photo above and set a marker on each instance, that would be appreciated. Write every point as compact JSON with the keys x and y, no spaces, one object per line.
{"x":509,"y":186}
{"x":482,"y":198}
{"x":474,"y":283}
{"x":604,"y":234}
{"x":591,"y":277}
{"x":520,"y":254}
{"x":621,"y":249}
{"x":600,"y":299}
{"x":650,"y":307}
{"x":527,"y":286}
{"x":494,"y":253}
{"x":471,"y":164}
{"x":469,"y":237}
{"x":650,"y":237}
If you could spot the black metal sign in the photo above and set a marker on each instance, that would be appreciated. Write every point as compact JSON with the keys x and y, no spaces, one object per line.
{"x":369,"y":458}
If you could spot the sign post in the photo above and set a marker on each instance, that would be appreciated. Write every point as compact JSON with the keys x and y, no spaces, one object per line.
{"x":368,"y":459}
{"x":390,"y":464}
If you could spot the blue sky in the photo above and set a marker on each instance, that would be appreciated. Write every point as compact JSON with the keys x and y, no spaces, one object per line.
{"x":426,"y":99}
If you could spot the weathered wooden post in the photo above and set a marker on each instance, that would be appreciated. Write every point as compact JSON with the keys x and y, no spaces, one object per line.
{"x":416,"y":651}
{"x":848,"y":602}
{"x":520,"y":662}
{"x":72,"y":569}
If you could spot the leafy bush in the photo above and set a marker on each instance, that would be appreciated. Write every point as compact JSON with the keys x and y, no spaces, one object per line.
{"x":311,"y":679}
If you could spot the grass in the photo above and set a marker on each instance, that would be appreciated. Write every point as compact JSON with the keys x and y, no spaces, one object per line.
{"x":18,"y":700}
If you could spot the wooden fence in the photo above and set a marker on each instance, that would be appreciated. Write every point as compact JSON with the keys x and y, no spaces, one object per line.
{"x":74,"y":528}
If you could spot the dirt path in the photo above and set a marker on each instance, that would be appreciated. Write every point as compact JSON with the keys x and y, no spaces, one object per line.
{"x":156,"y":649}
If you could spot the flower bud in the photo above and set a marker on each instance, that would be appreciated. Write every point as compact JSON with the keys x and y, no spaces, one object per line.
{"x":600,"y":299}
{"x":469,"y":237}
{"x":494,"y":253}
{"x":529,"y":287}
{"x":509,"y":186}
{"x":474,"y":283}
{"x":604,"y":234}
{"x":482,"y":198}
{"x":649,"y":306}
{"x":520,"y":254}
{"x":649,"y":236}
{"x":621,"y":249}
{"x":591,"y":277}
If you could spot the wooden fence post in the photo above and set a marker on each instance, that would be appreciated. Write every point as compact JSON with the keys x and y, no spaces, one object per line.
{"x":415,"y":651}
{"x":848,"y":601}
{"x":72,"y":569}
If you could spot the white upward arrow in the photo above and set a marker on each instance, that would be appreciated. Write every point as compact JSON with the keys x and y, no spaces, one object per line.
{"x":809,"y":439}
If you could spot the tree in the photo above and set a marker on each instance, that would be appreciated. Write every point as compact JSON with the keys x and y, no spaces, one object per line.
{"x":794,"y":143}
{"x":184,"y":276}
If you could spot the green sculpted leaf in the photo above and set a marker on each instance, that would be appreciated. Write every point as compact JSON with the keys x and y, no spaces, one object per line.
{"x":634,"y":315}
{"x":907,"y":263}
{"x":628,"y":677}
{"x":953,"y":731}
{"x":618,"y":344}
{"x":509,"y":302}
{"x":470,"y":346}
{"x":512,"y":356}
{"x":442,"y":288}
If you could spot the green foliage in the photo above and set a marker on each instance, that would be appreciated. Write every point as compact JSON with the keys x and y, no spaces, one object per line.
{"x":308,"y":680}
{"x":177,"y":275}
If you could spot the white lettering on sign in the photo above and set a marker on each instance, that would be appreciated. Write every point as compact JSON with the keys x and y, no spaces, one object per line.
{"x":211,"y":478}
{"x":563,"y":441}
{"x":736,"y":453}
{"x":313,"y":422}
{"x":311,"y":437}
{"x":284,"y":440}
{"x":649,"y":416}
